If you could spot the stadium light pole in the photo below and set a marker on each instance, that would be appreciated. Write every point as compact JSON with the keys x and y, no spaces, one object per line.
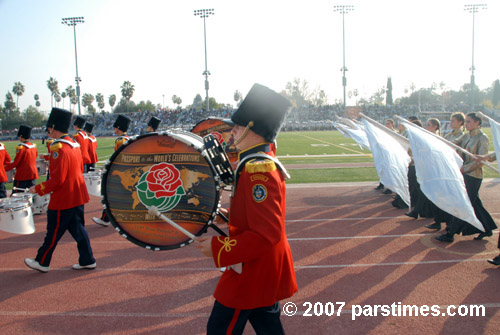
{"x":343,"y":9}
{"x":474,"y":8}
{"x":73,"y":21}
{"x":204,"y":13}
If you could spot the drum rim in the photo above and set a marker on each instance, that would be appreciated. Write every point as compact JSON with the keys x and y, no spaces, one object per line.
{"x":114,"y":222}
{"x":22,"y":204}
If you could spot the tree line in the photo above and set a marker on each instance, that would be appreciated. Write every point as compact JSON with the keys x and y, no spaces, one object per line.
{"x":297,"y":91}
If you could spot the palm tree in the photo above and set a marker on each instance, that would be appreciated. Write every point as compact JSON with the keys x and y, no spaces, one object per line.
{"x":63,"y":95}
{"x":127,"y":91}
{"x":100,"y":100}
{"x":53,"y":88}
{"x":112,"y":101}
{"x":71,"y":94}
{"x":18,"y":90}
{"x":87,"y":100}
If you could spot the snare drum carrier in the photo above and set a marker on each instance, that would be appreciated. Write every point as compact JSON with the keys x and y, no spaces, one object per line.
{"x":172,"y":171}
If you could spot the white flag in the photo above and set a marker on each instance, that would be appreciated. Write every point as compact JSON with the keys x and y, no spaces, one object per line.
{"x":391,"y":160}
{"x":356,"y":132}
{"x":438,"y":173}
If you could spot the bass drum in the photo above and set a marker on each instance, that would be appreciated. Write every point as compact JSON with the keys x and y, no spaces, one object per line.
{"x":221,"y":130}
{"x":166,"y":170}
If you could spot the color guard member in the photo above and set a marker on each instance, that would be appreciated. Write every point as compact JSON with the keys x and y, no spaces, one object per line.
{"x":68,"y":196}
{"x":257,"y":236}
{"x":24,"y":162}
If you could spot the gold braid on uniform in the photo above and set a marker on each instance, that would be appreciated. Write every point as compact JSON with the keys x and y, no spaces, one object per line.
{"x":245,"y":132}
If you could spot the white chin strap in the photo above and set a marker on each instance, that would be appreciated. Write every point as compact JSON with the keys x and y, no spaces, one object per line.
{"x":245,"y":132}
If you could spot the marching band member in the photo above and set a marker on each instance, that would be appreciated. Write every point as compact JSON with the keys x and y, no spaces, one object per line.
{"x":68,"y":196}
{"x":423,"y":206}
{"x":4,"y":159}
{"x":81,"y":138}
{"x":456,"y":123}
{"x":257,"y":236}
{"x":48,"y":142}
{"x":153,"y":124}
{"x":91,"y":145}
{"x":477,"y":143}
{"x":491,"y":158}
{"x":120,"y":126}
{"x":25,"y":161}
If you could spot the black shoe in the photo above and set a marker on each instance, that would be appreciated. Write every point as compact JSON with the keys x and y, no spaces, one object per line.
{"x":435,"y":225}
{"x":495,"y":261}
{"x":387,"y":191}
{"x":412,"y":215}
{"x":445,"y":238}
{"x":379,"y":187}
{"x":482,"y":235}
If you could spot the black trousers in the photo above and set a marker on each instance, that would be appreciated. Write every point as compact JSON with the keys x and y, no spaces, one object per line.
{"x":22,"y":184}
{"x":225,"y":320}
{"x":58,"y":221}
{"x":3,"y":191}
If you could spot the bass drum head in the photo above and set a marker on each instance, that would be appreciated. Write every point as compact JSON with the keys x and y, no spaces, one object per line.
{"x":221,"y":130}
{"x":165,"y":170}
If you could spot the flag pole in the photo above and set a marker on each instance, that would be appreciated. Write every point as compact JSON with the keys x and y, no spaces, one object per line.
{"x":384,"y":128}
{"x":453,"y":145}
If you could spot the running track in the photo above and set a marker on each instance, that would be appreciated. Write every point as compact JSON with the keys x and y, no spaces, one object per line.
{"x":349,"y":245}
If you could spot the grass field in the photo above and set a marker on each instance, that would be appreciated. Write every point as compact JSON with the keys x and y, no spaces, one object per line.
{"x":295,"y":148}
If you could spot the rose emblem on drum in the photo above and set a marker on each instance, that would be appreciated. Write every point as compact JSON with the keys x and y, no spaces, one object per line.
{"x":220,"y":139}
{"x":161,"y":186}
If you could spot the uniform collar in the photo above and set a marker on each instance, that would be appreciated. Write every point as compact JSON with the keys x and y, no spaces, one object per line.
{"x":262,"y":147}
{"x":475,"y":132}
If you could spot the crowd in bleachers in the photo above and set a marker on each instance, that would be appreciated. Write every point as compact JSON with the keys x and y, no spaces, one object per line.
{"x":305,"y":118}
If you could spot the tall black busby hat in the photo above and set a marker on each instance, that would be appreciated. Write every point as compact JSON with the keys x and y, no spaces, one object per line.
{"x":263,"y":111}
{"x":88,"y":127}
{"x":154,"y":122}
{"x":24,"y":131}
{"x":59,"y":119}
{"x":122,"y":123}
{"x":79,"y":122}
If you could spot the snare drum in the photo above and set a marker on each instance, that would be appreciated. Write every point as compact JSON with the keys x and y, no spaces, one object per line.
{"x":93,"y":182}
{"x":221,"y":130}
{"x":41,"y":166}
{"x":23,"y":196}
{"x":10,"y":175}
{"x":169,"y":170}
{"x":40,"y":203}
{"x":16,"y":216}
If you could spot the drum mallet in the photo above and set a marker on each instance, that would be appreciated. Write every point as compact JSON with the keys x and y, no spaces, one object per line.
{"x":153,"y":210}
{"x":21,"y":189}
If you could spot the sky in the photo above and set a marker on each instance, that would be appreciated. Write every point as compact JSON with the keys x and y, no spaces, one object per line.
{"x":159,"y":47}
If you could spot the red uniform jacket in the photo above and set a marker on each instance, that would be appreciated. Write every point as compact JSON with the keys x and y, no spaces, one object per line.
{"x":66,"y":176}
{"x":4,"y":159}
{"x":81,"y":138}
{"x":25,"y":162}
{"x":257,"y":238}
{"x":92,"y":146}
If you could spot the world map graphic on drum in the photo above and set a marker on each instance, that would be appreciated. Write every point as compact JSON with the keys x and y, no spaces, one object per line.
{"x":130,"y":178}
{"x":166,"y":173}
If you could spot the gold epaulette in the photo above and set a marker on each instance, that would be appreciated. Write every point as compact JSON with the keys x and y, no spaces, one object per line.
{"x":49,"y":142}
{"x":19,"y":147}
{"x":56,"y":146}
{"x":75,"y":135}
{"x":260,"y":165}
